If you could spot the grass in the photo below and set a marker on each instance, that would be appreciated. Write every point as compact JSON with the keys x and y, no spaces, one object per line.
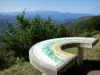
{"x":89,"y":54}
{"x":25,"y":68}
{"x":22,"y":68}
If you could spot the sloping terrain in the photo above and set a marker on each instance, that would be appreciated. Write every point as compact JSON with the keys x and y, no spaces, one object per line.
{"x":78,"y":21}
{"x":91,"y":63}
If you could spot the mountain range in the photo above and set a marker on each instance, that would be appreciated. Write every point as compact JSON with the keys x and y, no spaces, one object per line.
{"x":55,"y":15}
{"x":59,"y":17}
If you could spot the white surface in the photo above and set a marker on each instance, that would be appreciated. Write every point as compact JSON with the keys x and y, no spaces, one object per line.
{"x":41,"y":56}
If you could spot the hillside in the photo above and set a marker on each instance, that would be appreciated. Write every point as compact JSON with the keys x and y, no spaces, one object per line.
{"x":92,"y":24}
{"x":78,"y":21}
{"x":19,"y":40}
{"x":4,"y":18}
{"x":91,"y":62}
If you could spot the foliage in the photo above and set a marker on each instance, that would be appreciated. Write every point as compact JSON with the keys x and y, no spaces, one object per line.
{"x":92,"y":24}
{"x":89,"y":27}
{"x":6,"y":58}
{"x":88,"y":34}
{"x":18,"y":40}
{"x":25,"y":68}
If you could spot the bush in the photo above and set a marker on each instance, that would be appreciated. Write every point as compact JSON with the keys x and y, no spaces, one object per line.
{"x":88,"y":34}
{"x":19,"y":39}
{"x":7,"y":58}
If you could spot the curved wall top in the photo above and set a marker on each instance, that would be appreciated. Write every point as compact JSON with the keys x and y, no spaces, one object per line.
{"x":50,"y":51}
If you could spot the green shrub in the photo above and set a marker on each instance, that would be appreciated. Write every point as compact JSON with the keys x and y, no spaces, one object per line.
{"x":7,"y":58}
{"x":18,"y":40}
{"x":88,"y":34}
{"x":28,"y":32}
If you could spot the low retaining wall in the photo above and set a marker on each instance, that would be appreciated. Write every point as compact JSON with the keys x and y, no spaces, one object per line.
{"x":48,"y":56}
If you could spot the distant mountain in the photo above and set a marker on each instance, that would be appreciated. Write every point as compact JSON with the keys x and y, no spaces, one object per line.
{"x":59,"y":17}
{"x":55,"y":15}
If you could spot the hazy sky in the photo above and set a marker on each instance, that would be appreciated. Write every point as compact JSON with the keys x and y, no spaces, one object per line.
{"x":73,"y":6}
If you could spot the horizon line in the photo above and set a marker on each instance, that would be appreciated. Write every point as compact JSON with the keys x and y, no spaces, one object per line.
{"x":47,"y":10}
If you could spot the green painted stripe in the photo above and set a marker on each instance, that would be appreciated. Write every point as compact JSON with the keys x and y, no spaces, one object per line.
{"x":47,"y":49}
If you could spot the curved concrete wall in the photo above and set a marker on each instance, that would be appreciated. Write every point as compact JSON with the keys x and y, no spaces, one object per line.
{"x":48,"y":56}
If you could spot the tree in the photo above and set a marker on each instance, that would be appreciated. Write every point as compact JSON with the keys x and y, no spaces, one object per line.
{"x":19,"y":39}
